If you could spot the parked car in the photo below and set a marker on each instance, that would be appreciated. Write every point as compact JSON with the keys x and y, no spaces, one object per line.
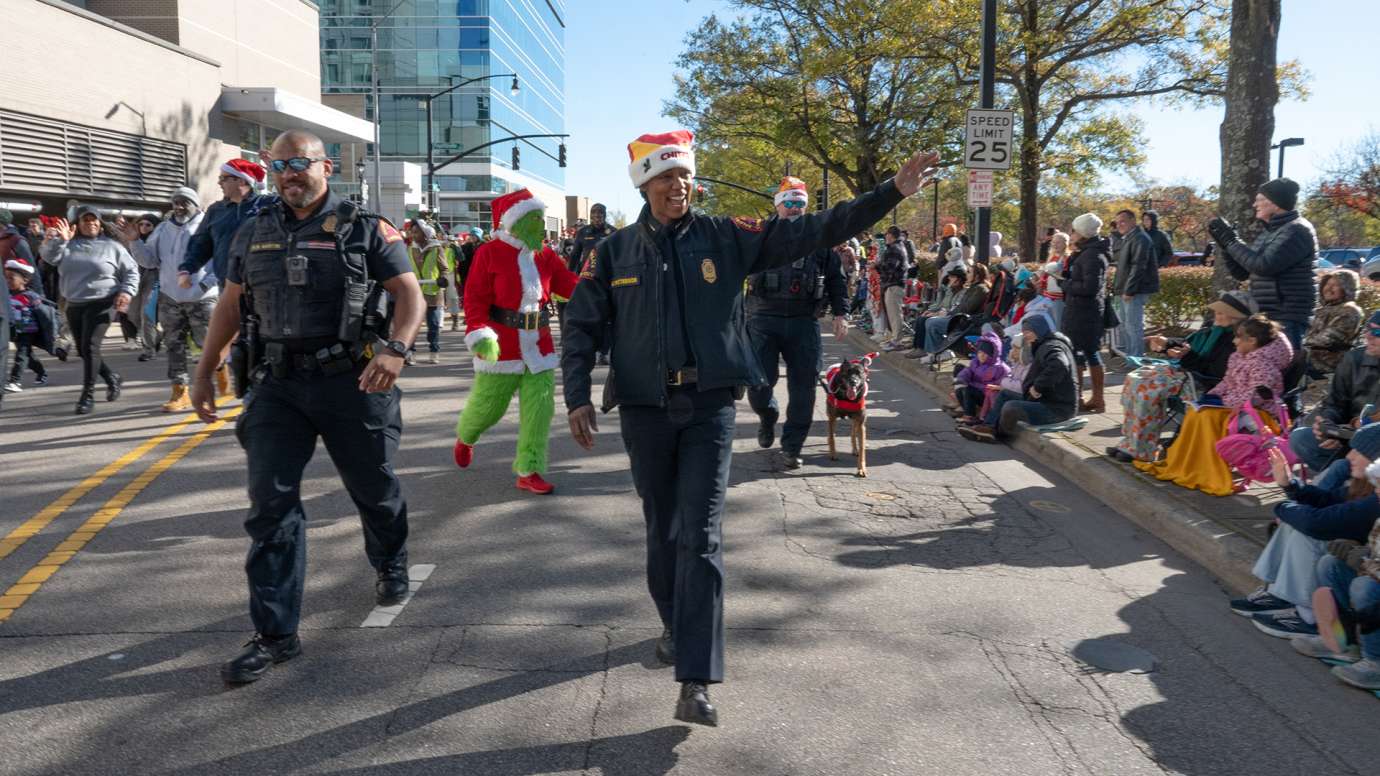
{"x":1187,"y":259}
{"x":1346,"y":258}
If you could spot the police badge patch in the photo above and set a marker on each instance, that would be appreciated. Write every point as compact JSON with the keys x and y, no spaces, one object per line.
{"x":747,"y":224}
{"x":328,"y":223}
{"x":709,"y":271}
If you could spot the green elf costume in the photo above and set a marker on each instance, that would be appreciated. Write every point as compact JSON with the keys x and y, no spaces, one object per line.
{"x":506,"y":294}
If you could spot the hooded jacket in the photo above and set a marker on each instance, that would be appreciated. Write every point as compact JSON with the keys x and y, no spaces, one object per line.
{"x":1164,"y":250}
{"x":1279,"y":265}
{"x":977,"y":375}
{"x":1335,"y":324}
{"x":1263,"y":366}
{"x":1051,"y":368}
{"x":164,"y":251}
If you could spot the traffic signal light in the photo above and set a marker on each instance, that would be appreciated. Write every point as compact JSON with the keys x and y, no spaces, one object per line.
{"x":819,"y":199}
{"x":517,"y":159}
{"x":561,"y":154}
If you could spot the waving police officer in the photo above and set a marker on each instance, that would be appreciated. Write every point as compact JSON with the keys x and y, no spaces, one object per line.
{"x":668,"y":290}
{"x":304,"y":274}
{"x":784,"y":305}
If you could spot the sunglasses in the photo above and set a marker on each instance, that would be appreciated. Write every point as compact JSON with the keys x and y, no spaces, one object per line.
{"x":297,"y":163}
{"x":793,"y":203}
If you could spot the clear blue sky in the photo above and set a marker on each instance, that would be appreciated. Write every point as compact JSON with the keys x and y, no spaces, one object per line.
{"x":621,"y":57}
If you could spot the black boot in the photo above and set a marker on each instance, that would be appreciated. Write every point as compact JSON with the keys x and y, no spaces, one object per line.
{"x":112,"y":386}
{"x":694,"y":705}
{"x":259,"y":655}
{"x":87,"y":401}
{"x":392,"y":584}
{"x":791,"y":461}
{"x":666,"y":648}
{"x":766,"y":429}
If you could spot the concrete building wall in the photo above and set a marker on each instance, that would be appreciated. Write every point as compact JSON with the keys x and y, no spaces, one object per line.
{"x":257,"y":42}
{"x":156,"y":17}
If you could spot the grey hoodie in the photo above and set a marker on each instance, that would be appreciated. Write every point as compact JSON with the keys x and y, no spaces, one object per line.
{"x":92,"y":268}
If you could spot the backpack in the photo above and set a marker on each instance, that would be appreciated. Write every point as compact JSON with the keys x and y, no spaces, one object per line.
{"x":1001,"y":297}
{"x":1248,"y":451}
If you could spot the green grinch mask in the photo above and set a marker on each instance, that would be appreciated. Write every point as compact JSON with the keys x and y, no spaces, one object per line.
{"x":530,"y":229}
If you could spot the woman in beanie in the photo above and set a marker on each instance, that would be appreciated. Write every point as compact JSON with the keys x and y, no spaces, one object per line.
{"x":1279,"y":264}
{"x":1199,"y":363}
{"x":1085,"y":293}
{"x":1255,"y":373}
{"x":1341,"y":505}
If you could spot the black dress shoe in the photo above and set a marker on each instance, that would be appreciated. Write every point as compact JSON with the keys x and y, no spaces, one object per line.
{"x":392,"y":584}
{"x":791,"y":461}
{"x":666,"y":648}
{"x":694,"y":706}
{"x":86,"y":402}
{"x":259,"y":655}
{"x":145,"y":356}
{"x":112,"y":387}
{"x":1117,"y":454}
{"x":766,"y":430}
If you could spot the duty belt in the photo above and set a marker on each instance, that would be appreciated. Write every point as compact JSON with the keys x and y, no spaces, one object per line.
{"x":682,"y":376}
{"x":323,"y":361}
{"x":519,"y":320}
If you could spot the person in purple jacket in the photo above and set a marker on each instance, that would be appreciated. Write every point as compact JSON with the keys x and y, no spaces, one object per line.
{"x":986,"y":368}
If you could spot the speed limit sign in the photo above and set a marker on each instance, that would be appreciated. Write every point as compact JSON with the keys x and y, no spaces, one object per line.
{"x":987,"y":139}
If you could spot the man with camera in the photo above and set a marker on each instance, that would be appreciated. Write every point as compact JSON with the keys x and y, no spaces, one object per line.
{"x":1355,"y":385}
{"x":303,"y":288}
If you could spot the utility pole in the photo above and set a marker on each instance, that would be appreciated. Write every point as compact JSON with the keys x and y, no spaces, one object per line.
{"x":934,"y":230}
{"x":987,"y":87}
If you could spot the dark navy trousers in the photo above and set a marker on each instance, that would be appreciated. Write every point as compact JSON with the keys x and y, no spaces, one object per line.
{"x":680,"y":457}
{"x":797,"y":341}
{"x":278,"y":431}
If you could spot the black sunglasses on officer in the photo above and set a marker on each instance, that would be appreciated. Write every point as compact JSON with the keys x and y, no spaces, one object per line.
{"x":296,"y":163}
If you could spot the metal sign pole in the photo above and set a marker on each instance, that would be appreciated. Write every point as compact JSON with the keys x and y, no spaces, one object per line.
{"x":987,"y":86}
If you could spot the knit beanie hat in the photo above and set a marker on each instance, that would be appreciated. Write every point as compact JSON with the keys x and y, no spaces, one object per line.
{"x":245,"y":170}
{"x":651,"y":155}
{"x":1087,"y":225}
{"x":986,"y":346}
{"x":1282,"y":191}
{"x":187,"y":193}
{"x":6,"y":217}
{"x":950,"y":230}
{"x":1366,"y":441}
{"x":1038,"y":324}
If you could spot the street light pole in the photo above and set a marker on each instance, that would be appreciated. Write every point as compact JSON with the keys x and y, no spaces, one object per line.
{"x":1287,"y":142}
{"x":987,"y":87}
{"x":431,"y":197}
{"x":374,"y":78}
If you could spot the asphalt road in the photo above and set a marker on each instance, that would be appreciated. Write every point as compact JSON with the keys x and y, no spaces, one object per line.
{"x":911,"y":623}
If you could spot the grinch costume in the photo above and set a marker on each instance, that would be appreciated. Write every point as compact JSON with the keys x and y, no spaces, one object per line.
{"x":506,"y":294}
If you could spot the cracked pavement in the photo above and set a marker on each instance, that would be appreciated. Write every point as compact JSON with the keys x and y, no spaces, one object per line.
{"x":913,"y":622}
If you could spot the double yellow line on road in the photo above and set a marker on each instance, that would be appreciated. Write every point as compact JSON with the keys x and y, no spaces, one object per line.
{"x":29,"y":584}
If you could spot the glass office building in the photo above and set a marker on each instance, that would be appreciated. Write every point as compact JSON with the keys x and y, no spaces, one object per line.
{"x":426,"y":46}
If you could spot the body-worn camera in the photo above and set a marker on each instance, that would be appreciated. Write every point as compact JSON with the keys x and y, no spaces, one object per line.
{"x":297,"y":270}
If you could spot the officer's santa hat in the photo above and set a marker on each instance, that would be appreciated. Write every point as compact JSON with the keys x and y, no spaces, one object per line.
{"x":792,"y":189}
{"x":651,"y":155}
{"x":245,"y":170}
{"x":20,"y":265}
{"x":508,"y":208}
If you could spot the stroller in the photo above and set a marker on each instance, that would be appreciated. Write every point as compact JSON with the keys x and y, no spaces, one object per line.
{"x":963,"y":330}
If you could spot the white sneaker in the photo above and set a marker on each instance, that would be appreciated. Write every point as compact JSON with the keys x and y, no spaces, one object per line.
{"x":1313,"y":646}
{"x":433,"y":358}
{"x":13,"y":388}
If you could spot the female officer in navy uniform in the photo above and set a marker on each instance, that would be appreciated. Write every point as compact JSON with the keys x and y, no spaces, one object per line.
{"x":668,"y":291}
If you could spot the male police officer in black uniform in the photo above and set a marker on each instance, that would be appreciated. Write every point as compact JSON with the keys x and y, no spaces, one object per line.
{"x":589,"y":236}
{"x":307,"y":269}
{"x":783,"y":307}
{"x":668,"y":290}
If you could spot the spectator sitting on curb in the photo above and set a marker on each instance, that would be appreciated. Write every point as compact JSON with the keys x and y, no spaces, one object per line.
{"x":1048,"y":394}
{"x":968,"y":303}
{"x":1200,"y":363}
{"x":950,"y":293}
{"x":986,"y":368}
{"x":1355,"y":384}
{"x":1342,"y":504}
{"x":1336,"y":322}
{"x":1255,"y":373}
{"x":1279,"y":264}
{"x":1351,"y":574}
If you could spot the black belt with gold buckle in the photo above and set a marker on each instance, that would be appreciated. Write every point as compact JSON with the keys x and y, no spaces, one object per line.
{"x":520,"y":320}
{"x":682,"y":376}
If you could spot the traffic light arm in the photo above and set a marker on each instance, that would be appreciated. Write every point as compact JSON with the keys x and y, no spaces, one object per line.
{"x":468,"y":151}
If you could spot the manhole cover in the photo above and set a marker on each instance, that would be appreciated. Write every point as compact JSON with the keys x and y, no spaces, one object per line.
{"x":881,"y":496}
{"x":1112,"y":656}
{"x":1050,"y":506}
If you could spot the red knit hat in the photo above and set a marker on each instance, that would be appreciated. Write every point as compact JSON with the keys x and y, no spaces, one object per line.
{"x":245,"y":170}
{"x":508,"y":208}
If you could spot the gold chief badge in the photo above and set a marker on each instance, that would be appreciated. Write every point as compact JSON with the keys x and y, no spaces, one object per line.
{"x":707,"y":269}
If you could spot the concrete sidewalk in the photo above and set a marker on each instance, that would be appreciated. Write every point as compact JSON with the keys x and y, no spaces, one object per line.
{"x":1223,"y":534}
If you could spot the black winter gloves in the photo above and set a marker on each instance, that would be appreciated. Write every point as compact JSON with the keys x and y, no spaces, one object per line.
{"x":1223,"y":233}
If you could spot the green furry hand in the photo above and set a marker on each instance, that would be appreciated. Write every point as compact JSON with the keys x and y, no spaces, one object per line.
{"x":487,"y":349}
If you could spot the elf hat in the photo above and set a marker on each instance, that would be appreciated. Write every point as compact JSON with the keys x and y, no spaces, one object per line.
{"x":508,"y":208}
{"x":792,"y":189}
{"x":19,"y":265}
{"x":651,"y":155}
{"x":245,"y":170}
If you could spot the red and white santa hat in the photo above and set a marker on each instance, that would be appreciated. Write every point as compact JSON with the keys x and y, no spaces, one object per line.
{"x":245,"y":170}
{"x":20,"y":265}
{"x":508,"y":208}
{"x":793,"y":189}
{"x":651,"y":155}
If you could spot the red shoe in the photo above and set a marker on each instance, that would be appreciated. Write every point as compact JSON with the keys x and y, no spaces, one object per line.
{"x":464,"y":454}
{"x":535,"y":484}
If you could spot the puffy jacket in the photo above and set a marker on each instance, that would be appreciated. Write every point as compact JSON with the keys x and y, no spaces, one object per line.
{"x":1263,"y":366}
{"x":1085,"y":290}
{"x":977,"y":374}
{"x":1336,"y":324}
{"x":1355,"y":384}
{"x":1051,"y":373}
{"x":1137,"y":269}
{"x":163,"y":251}
{"x":1279,"y":265}
{"x":211,"y":242}
{"x":622,"y":288}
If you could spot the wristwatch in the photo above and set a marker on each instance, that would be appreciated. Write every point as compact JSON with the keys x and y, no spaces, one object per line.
{"x":398,"y":347}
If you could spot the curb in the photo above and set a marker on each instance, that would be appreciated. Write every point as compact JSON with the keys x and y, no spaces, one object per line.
{"x":1225,"y":553}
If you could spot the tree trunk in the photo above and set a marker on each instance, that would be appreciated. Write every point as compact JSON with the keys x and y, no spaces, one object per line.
{"x":1249,"y":124}
{"x":1031,"y":159}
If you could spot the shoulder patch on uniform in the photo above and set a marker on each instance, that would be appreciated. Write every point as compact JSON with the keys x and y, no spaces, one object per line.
{"x":587,"y":272}
{"x":265,"y":246}
{"x":748,"y":224}
{"x":628,"y":281}
{"x":389,"y":232}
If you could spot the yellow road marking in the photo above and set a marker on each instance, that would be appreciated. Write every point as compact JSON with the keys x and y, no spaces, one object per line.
{"x":30,"y":528}
{"x":42,"y":571}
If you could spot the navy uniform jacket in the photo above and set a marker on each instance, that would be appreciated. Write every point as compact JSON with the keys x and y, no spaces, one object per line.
{"x":624,"y":282}
{"x":585,"y":240}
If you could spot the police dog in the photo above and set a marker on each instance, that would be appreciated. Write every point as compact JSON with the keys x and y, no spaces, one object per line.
{"x":845,"y":387}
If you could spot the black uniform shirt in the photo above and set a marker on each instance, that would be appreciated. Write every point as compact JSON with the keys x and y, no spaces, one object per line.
{"x":679,"y":354}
